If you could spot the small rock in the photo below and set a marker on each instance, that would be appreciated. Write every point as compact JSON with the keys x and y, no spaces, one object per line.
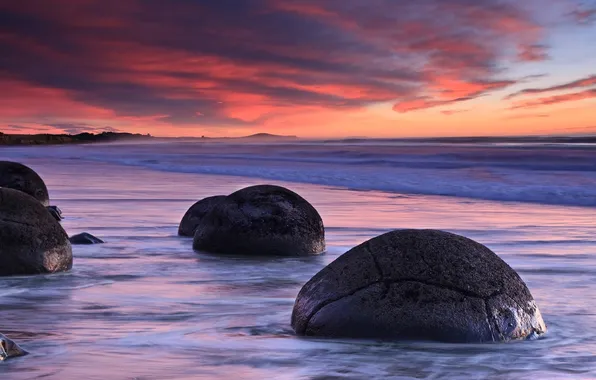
{"x":84,"y":238}
{"x":9,"y":349}
{"x":56,"y":212}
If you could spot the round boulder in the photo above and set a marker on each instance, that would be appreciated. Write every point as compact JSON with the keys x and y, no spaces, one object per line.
{"x":262,"y":220}
{"x":31,"y":240}
{"x":418,"y":285}
{"x":195,"y":213}
{"x":14,"y":175}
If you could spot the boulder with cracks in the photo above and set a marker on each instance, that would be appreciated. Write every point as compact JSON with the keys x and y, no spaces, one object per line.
{"x":418,"y":285}
{"x":262,"y":220}
{"x":31,"y":240}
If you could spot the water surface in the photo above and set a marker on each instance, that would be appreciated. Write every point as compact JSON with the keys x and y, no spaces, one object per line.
{"x":145,"y":306}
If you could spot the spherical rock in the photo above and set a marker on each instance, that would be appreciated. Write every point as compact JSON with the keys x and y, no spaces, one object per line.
{"x":195,"y":213}
{"x":14,"y":175}
{"x":31,"y":240}
{"x":262,"y":220}
{"x":84,"y":238}
{"x":418,"y":285}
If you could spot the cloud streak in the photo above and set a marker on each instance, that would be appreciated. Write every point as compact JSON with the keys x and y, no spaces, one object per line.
{"x":579,"y":83}
{"x":550,"y":100}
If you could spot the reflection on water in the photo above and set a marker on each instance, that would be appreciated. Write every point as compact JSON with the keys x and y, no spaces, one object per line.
{"x":145,"y":306}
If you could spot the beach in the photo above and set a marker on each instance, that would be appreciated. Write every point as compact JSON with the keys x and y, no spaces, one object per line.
{"x":146,"y":306}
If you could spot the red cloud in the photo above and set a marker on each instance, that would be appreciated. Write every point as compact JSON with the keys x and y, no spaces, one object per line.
{"x":584,"y":16}
{"x":527,"y":116}
{"x":587,"y":94}
{"x":532,"y":53}
{"x":20,"y":100}
{"x":453,"y":112}
{"x":448,"y":91}
{"x":583,"y":82}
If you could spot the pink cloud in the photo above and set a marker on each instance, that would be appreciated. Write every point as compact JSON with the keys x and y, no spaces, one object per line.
{"x":532,"y":53}
{"x":453,"y":112}
{"x":579,"y":83}
{"x":576,"y":96}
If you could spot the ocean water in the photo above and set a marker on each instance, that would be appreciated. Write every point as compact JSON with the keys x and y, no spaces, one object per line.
{"x":145,"y":306}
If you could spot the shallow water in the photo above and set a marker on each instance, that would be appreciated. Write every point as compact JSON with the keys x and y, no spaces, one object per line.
{"x":145,"y":306}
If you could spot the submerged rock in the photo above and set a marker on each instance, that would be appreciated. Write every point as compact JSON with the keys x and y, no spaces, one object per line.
{"x":9,"y":349}
{"x":84,"y":238}
{"x":259,"y":221}
{"x":31,"y":240}
{"x":195,"y":213}
{"x":418,"y":284}
{"x":14,"y":175}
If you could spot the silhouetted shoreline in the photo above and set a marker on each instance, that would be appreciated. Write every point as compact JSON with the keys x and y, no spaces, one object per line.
{"x":81,"y":138}
{"x":88,"y":138}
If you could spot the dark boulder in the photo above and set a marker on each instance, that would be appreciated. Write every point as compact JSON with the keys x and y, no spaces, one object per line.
{"x":31,"y":240}
{"x":9,"y":349}
{"x":84,"y":238}
{"x":195,"y":213}
{"x":262,"y":220}
{"x":14,"y":175}
{"x":421,"y":285}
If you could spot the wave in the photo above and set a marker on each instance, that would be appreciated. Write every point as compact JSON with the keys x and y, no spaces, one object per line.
{"x":551,"y":175}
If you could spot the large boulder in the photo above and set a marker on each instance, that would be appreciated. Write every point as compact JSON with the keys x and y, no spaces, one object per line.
{"x":31,"y":240}
{"x":9,"y":349}
{"x":195,"y":213}
{"x":421,"y":285}
{"x":261,"y":221}
{"x":14,"y":175}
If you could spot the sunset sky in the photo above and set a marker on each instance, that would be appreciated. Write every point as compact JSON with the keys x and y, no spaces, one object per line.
{"x":312,"y":68}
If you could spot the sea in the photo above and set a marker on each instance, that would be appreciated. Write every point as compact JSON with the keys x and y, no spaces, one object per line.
{"x":145,"y":306}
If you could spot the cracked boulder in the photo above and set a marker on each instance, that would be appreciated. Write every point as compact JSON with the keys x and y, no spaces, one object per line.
{"x":262,"y":220}
{"x":195,"y":213}
{"x":17,"y":176}
{"x":418,"y":285}
{"x":31,"y":240}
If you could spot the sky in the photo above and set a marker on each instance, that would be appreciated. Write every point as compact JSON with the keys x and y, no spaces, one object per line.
{"x":311,"y":68}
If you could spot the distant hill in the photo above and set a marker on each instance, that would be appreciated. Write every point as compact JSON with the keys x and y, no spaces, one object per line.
{"x":268,"y":136}
{"x":81,"y":138}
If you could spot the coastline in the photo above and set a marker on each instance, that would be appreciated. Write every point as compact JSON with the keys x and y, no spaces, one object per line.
{"x":108,"y":137}
{"x":66,"y":139}
{"x":7,"y":139}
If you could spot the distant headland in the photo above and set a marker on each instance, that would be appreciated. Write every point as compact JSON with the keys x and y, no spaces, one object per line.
{"x":104,"y":137}
{"x":81,"y":138}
